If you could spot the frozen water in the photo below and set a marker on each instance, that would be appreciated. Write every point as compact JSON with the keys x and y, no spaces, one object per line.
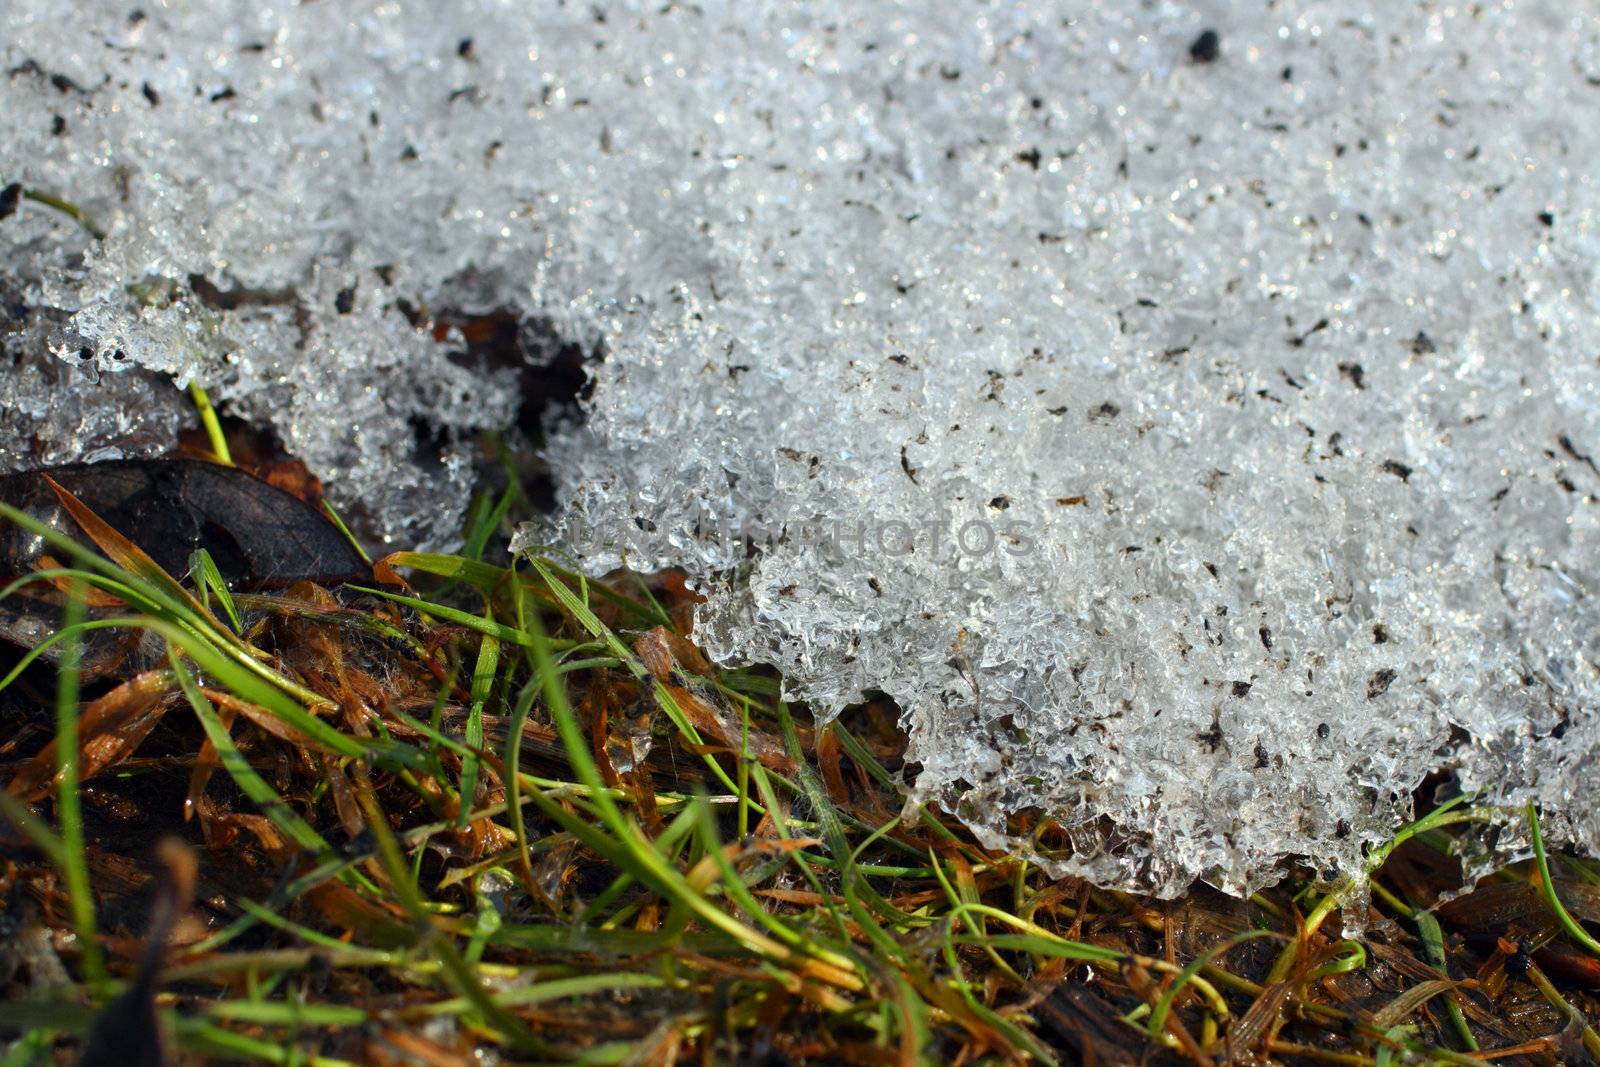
{"x":1201,"y":452}
{"x":62,"y":410}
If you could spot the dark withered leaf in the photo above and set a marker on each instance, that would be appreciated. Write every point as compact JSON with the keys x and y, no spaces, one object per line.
{"x":259,"y":536}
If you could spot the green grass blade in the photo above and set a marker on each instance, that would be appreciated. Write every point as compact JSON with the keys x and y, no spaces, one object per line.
{"x":1573,"y":928}
{"x":481,"y":529}
{"x":556,"y":989}
{"x":481,"y":576}
{"x":488,"y":627}
{"x":64,"y":634}
{"x":247,"y":686}
{"x":339,"y":524}
{"x":212,"y":424}
{"x":483,"y":676}
{"x":68,"y":812}
{"x":203,"y":569}
{"x":1433,"y":944}
{"x":286,"y":1013}
{"x":34,"y":829}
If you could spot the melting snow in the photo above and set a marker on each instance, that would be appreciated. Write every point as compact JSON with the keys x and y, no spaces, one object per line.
{"x":1200,"y":447}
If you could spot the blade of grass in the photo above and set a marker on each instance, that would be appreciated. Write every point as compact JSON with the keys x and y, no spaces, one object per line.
{"x":64,"y":634}
{"x":500,"y":632}
{"x":153,"y":594}
{"x":1588,"y":1034}
{"x":305,"y":933}
{"x":479,"y":532}
{"x":208,"y":1039}
{"x":212,"y":424}
{"x":638,"y":612}
{"x":338,"y":521}
{"x":228,"y":673}
{"x":203,"y":569}
{"x":735,"y":887}
{"x":655,"y":605}
{"x":1573,"y":928}
{"x":1158,"y":1014}
{"x":1444,"y":815}
{"x":131,"y":558}
{"x":513,"y":776}
{"x":979,"y":934}
{"x":556,"y":989}
{"x":1433,"y":944}
{"x":481,"y":576}
{"x":67,"y":208}
{"x":483,"y":676}
{"x":1020,"y":1041}
{"x":286,"y":1013}
{"x":864,"y":758}
{"x":68,"y":813}
{"x":866,"y":903}
{"x":34,"y":829}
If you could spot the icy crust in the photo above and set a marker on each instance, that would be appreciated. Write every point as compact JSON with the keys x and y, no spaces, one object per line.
{"x":56,"y":411}
{"x":1199,"y":452}
{"x":1287,"y":363}
{"x":265,"y":236}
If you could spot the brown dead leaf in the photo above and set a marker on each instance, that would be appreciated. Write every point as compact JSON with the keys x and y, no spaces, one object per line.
{"x":706,"y":714}
{"x":110,"y":729}
{"x":368,"y":922}
{"x":406,"y":1048}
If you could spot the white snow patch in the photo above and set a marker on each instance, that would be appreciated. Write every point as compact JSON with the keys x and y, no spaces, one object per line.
{"x":1239,"y":417}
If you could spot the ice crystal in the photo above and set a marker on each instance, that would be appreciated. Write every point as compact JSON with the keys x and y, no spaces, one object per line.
{"x":1195,"y":435}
